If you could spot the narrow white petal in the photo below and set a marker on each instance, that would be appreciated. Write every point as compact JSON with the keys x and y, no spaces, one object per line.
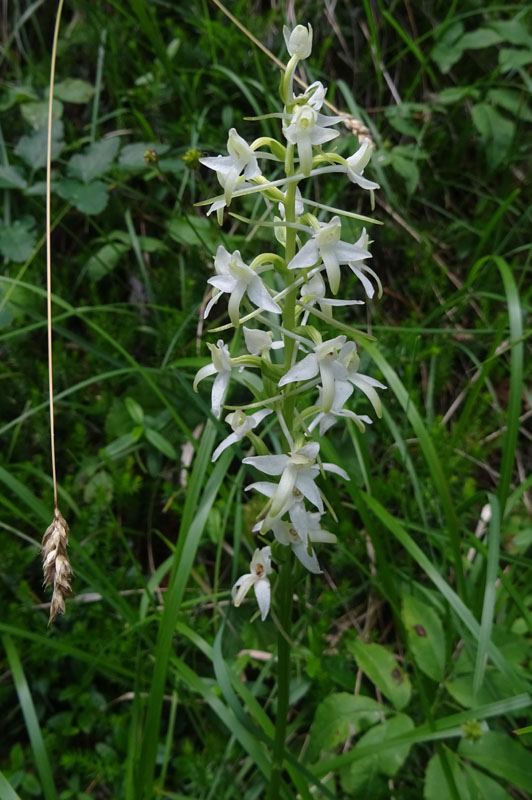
{"x":225,"y":283}
{"x":309,"y":560}
{"x":270,"y":465}
{"x":259,"y":296}
{"x":218,"y":391}
{"x":307,"y":487}
{"x":283,"y":496}
{"x":304,"y":370}
{"x":263,"y":487}
{"x":337,"y":470}
{"x":370,"y":393}
{"x":242,"y":587}
{"x":332,"y":268}
{"x":307,"y":256}
{"x":351,"y":252}
{"x":263,"y":593}
{"x":204,"y":372}
{"x":366,"y":283}
{"x":227,"y":442}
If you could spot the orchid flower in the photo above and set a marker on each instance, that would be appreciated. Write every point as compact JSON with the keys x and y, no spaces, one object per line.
{"x":308,"y":127}
{"x":258,"y":342}
{"x":349,"y":359}
{"x":298,"y":471}
{"x":241,"y":425}
{"x":322,"y":361}
{"x":302,"y":530}
{"x":326,"y":244}
{"x":241,"y":159}
{"x":260,"y":567}
{"x":342,"y":392}
{"x":314,"y":292}
{"x":237,"y":279}
{"x":298,"y":41}
{"x":358,"y":162}
{"x":359,"y":268}
{"x":221,"y":367}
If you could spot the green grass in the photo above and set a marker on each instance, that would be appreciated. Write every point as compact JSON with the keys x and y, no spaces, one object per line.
{"x":152,"y":685}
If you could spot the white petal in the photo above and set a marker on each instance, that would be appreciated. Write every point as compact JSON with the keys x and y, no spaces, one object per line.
{"x":263,"y":487}
{"x":284,"y":494}
{"x":218,"y":391}
{"x":370,"y":393}
{"x":307,"y":487}
{"x":225,"y":283}
{"x":366,"y":283}
{"x":351,"y":252}
{"x":302,"y":371}
{"x":307,"y":256}
{"x":337,"y":470}
{"x":263,"y":593}
{"x":270,"y":465}
{"x":242,"y":587}
{"x":332,"y":267}
{"x":309,"y":561}
{"x":227,"y":442}
{"x":204,"y":372}
{"x":259,"y":296}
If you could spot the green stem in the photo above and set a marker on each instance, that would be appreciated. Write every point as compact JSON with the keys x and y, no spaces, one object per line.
{"x":283,"y":675}
{"x":284,"y":582}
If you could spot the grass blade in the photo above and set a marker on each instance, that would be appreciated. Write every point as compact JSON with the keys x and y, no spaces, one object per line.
{"x":486,"y":624}
{"x":30,"y":718}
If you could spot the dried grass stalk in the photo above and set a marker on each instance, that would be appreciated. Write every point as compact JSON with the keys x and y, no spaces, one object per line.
{"x":56,"y":566}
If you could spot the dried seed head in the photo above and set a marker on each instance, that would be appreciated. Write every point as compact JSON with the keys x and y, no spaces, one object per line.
{"x":56,"y":566}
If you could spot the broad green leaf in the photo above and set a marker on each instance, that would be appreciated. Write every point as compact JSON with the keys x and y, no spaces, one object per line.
{"x":135,"y":410}
{"x":407,"y":169}
{"x":457,"y":94}
{"x":339,"y":716}
{"x":496,"y":685}
{"x":383,"y":670}
{"x":510,"y":58}
{"x":496,"y":132}
{"x":426,"y":637}
{"x":436,"y":785}
{"x":446,"y":52}
{"x":407,"y":118}
{"x":32,"y":148}
{"x":513,"y":100}
{"x":36,"y":114}
{"x":89,"y":198}
{"x":502,"y":756}
{"x":387,"y":761}
{"x":17,"y":240}
{"x":105,"y":260}
{"x":161,"y":443}
{"x":515,"y":31}
{"x":73,"y":90}
{"x":482,"y":787}
{"x":12,"y":178}
{"x":476,"y":40}
{"x":132,"y":155}
{"x":16,"y":94}
{"x":95,"y":161}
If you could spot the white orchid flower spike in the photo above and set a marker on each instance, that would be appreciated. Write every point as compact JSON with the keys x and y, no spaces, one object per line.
{"x":260,"y":567}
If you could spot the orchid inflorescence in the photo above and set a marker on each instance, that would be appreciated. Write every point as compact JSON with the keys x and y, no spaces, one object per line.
{"x":296,"y":291}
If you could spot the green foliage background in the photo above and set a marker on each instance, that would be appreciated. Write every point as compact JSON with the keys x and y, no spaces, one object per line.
{"x":419,"y":634}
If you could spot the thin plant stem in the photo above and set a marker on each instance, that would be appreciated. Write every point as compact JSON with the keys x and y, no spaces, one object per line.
{"x":285,"y":571}
{"x":49,"y":248}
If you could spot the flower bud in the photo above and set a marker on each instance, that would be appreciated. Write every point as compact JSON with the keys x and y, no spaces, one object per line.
{"x":298,"y":41}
